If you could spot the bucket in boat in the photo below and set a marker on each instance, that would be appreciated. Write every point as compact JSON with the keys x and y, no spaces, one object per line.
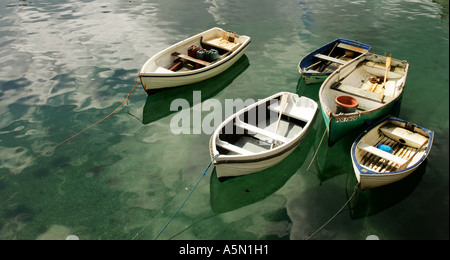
{"x":346,"y":104}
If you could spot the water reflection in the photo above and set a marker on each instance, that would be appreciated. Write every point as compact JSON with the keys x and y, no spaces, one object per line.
{"x":66,"y":64}
{"x":237,"y":192}
{"x":373,"y":201}
{"x":157,"y":105}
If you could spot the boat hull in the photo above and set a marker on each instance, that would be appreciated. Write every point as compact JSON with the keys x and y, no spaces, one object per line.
{"x":339,"y":126}
{"x":155,"y":73}
{"x":253,"y":149}
{"x":155,"y":81}
{"x":232,"y":168}
{"x":373,"y":101}
{"x":369,"y":177}
{"x":310,"y":79}
{"x":306,"y":64}
{"x":370,"y":181}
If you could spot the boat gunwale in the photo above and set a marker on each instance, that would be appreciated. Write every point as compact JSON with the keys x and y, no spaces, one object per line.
{"x":321,"y":49}
{"x":326,"y":87}
{"x":259,"y":156}
{"x":166,"y":51}
{"x":195,"y":71}
{"x":382,"y":122}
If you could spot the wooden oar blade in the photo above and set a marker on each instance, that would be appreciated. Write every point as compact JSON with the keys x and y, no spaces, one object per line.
{"x":282,"y":107}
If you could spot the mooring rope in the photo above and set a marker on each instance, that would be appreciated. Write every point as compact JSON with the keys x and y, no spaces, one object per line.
{"x":136,"y":82}
{"x":337,"y":213}
{"x":345,"y":204}
{"x":317,"y":150}
{"x":162,"y":209}
{"x":189,"y":195}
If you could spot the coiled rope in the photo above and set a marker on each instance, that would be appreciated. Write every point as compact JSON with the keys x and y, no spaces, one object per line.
{"x":136,"y":82}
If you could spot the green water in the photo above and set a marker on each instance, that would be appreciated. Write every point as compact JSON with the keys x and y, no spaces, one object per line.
{"x":67,"y":64}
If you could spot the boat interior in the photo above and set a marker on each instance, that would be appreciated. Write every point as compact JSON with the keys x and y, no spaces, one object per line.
{"x":364,"y":81}
{"x":337,"y":55}
{"x":391,"y":146}
{"x":198,"y":52}
{"x":257,"y":130}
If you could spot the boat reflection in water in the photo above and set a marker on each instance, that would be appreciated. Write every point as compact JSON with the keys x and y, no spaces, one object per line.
{"x":235,"y":192}
{"x":157,"y":105}
{"x":373,"y":201}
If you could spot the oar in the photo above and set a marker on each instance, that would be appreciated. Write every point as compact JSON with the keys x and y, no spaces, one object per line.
{"x":388,"y":67}
{"x":403,"y":166}
{"x":282,"y":107}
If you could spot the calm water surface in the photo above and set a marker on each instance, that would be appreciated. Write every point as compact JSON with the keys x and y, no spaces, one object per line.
{"x":67,"y":64}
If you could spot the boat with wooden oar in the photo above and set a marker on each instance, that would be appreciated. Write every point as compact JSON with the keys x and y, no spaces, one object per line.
{"x":262,"y":134}
{"x":194,"y":59}
{"x":361,"y":92}
{"x":389,"y":151}
{"x":320,"y":63}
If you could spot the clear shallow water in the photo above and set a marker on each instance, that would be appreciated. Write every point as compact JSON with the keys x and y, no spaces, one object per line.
{"x":67,"y":64}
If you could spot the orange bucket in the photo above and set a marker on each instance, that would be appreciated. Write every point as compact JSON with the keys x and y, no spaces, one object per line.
{"x":346,"y":104}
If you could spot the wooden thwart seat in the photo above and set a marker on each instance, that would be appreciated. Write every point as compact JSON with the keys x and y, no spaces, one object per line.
{"x":222,"y":43}
{"x":233,"y":148}
{"x":258,"y":130}
{"x":380,"y":153}
{"x":351,"y":48}
{"x":328,"y":58}
{"x":293,"y":111}
{"x":348,"y":89}
{"x":189,"y":58}
{"x":404,"y":136}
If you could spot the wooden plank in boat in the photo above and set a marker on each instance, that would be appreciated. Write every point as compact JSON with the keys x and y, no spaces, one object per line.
{"x":298,"y":112}
{"x":222,"y":43}
{"x":261,"y":131}
{"x":380,"y":153}
{"x":232,"y":148}
{"x":325,"y":57}
{"x":351,"y":48}
{"x":360,"y":92}
{"x":186,"y":57}
{"x":403,"y":135}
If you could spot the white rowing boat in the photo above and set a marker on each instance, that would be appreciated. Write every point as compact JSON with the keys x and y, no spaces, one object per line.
{"x":262,"y":134}
{"x":389,"y":151}
{"x":194,"y":59}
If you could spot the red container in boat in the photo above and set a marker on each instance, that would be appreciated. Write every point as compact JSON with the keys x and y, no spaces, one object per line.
{"x":346,"y":104}
{"x":192,"y":51}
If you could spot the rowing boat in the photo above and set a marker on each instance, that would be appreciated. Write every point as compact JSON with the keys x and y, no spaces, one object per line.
{"x":389,"y":151}
{"x":320,"y":63}
{"x":262,"y":134}
{"x":360,"y":92}
{"x":194,"y":59}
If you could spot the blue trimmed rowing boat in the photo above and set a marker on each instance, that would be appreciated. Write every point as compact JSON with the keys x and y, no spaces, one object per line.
{"x":408,"y":146}
{"x":319,"y":64}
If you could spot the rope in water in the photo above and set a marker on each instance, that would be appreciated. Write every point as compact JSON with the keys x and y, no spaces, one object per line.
{"x":345,"y":204}
{"x":136,"y":82}
{"x":317,"y":150}
{"x":337,"y":213}
{"x":188,"y":196}
{"x":162,"y":210}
